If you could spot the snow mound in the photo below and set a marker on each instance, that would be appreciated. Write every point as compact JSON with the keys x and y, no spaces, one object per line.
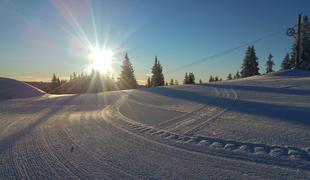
{"x":291,"y":73}
{"x":11,"y":89}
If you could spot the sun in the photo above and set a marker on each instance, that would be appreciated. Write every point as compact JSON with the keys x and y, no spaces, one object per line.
{"x":100,"y":59}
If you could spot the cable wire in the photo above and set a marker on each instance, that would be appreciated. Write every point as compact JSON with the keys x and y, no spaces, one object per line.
{"x":227,"y":51}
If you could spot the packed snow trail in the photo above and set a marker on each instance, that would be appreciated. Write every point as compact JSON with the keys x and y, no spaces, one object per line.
{"x":109,"y":135}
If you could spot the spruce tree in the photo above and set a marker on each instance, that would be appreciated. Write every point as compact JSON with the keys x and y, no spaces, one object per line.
{"x":292,"y":62}
{"x":54,"y":82}
{"x":157,"y":74}
{"x":269,"y":64}
{"x":254,"y":60}
{"x":286,"y":63}
{"x":249,"y":66}
{"x":229,"y":77}
{"x":200,"y":81}
{"x":185,"y":81}
{"x":216,"y":78}
{"x":127,"y":78}
{"x":237,"y":75}
{"x":171,"y":82}
{"x":58,"y":83}
{"x":191,"y":78}
{"x":211,"y":79}
{"x":95,"y":84}
{"x":305,"y":56}
{"x":148,"y":83}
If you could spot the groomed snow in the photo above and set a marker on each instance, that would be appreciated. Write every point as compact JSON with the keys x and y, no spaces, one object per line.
{"x":252,"y":128}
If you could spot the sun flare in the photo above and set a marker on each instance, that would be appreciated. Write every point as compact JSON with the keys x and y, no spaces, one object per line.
{"x":100,"y":59}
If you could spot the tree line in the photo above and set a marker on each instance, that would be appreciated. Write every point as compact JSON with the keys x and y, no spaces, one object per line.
{"x":96,"y":82}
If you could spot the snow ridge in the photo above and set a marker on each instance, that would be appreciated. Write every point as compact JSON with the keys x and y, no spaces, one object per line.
{"x":275,"y":155}
{"x":11,"y":89}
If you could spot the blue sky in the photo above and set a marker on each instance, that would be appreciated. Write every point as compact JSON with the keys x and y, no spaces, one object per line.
{"x":39,"y":38}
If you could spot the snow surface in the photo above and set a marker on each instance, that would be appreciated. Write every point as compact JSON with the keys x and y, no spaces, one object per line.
{"x":252,"y":128}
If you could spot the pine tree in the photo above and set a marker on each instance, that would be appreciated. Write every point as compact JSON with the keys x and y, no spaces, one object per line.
{"x":200,"y":81}
{"x":216,"y":78}
{"x":286,"y":63}
{"x":148,"y":83}
{"x":171,"y":82}
{"x":157,"y":74}
{"x":54,"y":82}
{"x":58,"y":83}
{"x":254,"y":59}
{"x":185,"y":81}
{"x":269,"y":64}
{"x":292,"y":61}
{"x":127,"y":78}
{"x":237,"y":75}
{"x":95,"y":85}
{"x":229,"y":77}
{"x":305,"y":56}
{"x":211,"y":79}
{"x":250,"y":63}
{"x":191,"y":78}
{"x":166,"y":84}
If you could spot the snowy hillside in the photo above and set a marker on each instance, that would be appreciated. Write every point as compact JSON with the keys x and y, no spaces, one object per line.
{"x":10,"y":89}
{"x":253,"y":128}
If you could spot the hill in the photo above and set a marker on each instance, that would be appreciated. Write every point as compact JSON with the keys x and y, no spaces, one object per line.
{"x":11,"y":89}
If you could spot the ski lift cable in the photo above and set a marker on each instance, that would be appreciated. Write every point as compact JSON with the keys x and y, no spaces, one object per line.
{"x":227,"y":51}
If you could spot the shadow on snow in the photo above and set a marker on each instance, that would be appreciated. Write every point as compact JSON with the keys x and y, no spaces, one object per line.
{"x":282,"y":112}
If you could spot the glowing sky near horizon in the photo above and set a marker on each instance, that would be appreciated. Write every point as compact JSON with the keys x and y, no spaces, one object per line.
{"x":39,"y":38}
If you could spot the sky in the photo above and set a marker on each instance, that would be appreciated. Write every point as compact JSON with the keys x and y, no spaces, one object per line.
{"x":42,"y":37}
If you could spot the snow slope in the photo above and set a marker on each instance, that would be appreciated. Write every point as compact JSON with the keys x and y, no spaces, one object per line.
{"x":253,"y":128}
{"x":10,"y":89}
